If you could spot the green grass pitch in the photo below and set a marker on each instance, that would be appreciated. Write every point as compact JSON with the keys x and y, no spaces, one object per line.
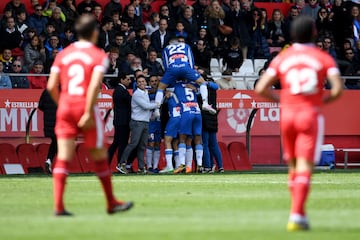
{"x":252,"y":205}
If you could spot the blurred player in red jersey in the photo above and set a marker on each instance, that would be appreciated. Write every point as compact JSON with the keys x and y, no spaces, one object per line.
{"x":79,"y":70}
{"x":302,"y":70}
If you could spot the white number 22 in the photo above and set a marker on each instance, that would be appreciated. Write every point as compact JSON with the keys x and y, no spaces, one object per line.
{"x":303,"y":81}
{"x":76,"y":74}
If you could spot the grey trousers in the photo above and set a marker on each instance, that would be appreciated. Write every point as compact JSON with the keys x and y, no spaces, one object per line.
{"x":138,"y":138}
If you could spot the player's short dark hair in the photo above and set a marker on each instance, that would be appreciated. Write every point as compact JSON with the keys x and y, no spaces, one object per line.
{"x":85,"y":25}
{"x":303,"y":29}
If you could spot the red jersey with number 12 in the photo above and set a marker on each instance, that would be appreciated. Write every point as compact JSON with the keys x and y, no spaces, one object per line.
{"x":302,"y":70}
{"x":76,"y":64}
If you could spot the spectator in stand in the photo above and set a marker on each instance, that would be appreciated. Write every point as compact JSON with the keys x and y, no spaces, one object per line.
{"x":68,"y":8}
{"x":136,"y":65}
{"x":226,"y":82}
{"x":11,"y":38}
{"x":37,"y":82}
{"x":341,"y":21}
{"x":355,"y":13}
{"x":30,"y":32}
{"x":323,"y":23}
{"x":165,"y":13}
{"x":58,"y":22}
{"x":153,"y":24}
{"x":352,"y":69}
{"x":49,"y":31}
{"x":115,"y":16}
{"x":112,"y":6}
{"x":215,"y":16}
{"x":209,"y":130}
{"x":226,"y":6}
{"x":86,"y":6}
{"x":311,"y":9}
{"x":139,"y":33}
{"x":241,"y":20}
{"x":152,"y":65}
{"x":161,"y":37}
{"x":120,"y":44}
{"x":146,"y":10}
{"x":319,"y":43}
{"x":5,"y":82}
{"x":97,"y":12}
{"x":233,"y":58}
{"x":137,"y":8}
{"x":15,"y":6}
{"x":277,"y":30}
{"x":7,"y":60}
{"x":37,"y":20}
{"x":7,"y":13}
{"x":292,"y":14}
{"x":68,"y":36}
{"x":128,"y":32}
{"x":180,"y":31}
{"x":49,"y":61}
{"x":300,"y":4}
{"x":139,"y":125}
{"x":259,"y":47}
{"x":48,"y":10}
{"x":202,"y":35}
{"x":129,"y":16}
{"x":21,"y":21}
{"x":18,"y":81}
{"x":113,"y":61}
{"x":105,"y":36}
{"x":190,"y":24}
{"x":51,"y":44}
{"x":175,"y":12}
{"x":33,"y":3}
{"x":328,"y":47}
{"x":202,"y":57}
{"x":144,"y":49}
{"x":199,"y":10}
{"x":48,"y":107}
{"x":33,"y":52}
{"x":125,"y":64}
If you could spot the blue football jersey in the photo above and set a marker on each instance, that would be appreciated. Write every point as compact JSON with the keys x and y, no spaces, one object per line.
{"x":177,"y":55}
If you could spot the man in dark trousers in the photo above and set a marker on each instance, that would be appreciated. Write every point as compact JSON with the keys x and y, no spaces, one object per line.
{"x":122,"y":116}
{"x":48,"y":107}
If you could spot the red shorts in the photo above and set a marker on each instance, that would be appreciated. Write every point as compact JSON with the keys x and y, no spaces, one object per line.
{"x":67,"y":117}
{"x":302,"y":131}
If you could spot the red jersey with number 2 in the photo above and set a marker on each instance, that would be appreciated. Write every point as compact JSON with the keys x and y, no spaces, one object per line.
{"x":76,"y":64}
{"x":302,"y":70}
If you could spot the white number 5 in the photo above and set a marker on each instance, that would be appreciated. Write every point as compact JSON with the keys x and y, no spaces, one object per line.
{"x":76,"y":74}
{"x":302,"y":81}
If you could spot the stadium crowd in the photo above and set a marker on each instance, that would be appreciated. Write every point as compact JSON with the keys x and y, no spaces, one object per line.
{"x":134,"y":34}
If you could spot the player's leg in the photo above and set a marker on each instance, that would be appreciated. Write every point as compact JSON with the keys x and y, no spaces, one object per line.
{"x":204,"y":95}
{"x":206,"y":154}
{"x":150,"y":152}
{"x":189,"y":154}
{"x":66,"y":150}
{"x":182,"y":153}
{"x":168,"y":155}
{"x":310,"y":128}
{"x":156,"y":157}
{"x":215,"y":150}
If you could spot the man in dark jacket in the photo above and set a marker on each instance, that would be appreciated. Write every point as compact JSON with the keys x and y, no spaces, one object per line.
{"x":48,"y":107}
{"x":122,"y":116}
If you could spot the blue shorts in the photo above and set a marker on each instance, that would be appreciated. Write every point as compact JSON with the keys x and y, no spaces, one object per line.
{"x":172,"y":127}
{"x":173,"y":74}
{"x":154,"y":131}
{"x":190,"y":124}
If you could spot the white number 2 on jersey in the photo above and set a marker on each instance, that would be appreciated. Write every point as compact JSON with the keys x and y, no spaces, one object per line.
{"x":303,"y":81}
{"x":76,"y":75}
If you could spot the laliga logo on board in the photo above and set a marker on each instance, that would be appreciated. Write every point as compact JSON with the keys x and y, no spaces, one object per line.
{"x":237,"y":118}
